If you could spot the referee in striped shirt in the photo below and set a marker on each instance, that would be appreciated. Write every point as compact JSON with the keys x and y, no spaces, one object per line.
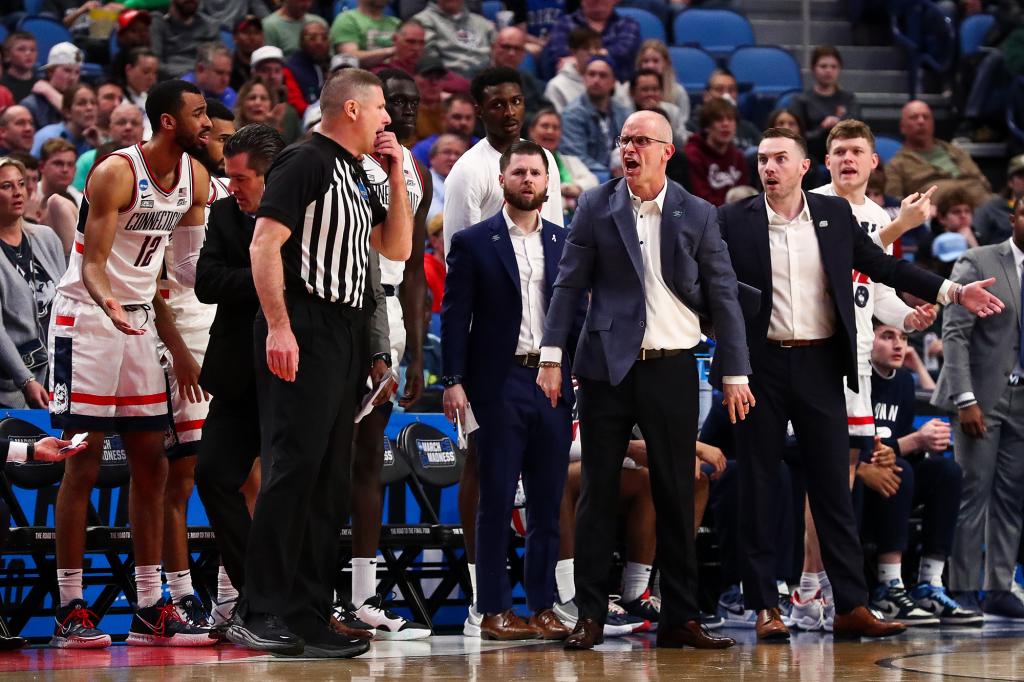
{"x":310,"y":261}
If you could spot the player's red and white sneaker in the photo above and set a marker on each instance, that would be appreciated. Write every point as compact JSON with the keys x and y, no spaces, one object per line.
{"x":75,"y":628}
{"x":387,"y":623}
{"x":161,"y":625}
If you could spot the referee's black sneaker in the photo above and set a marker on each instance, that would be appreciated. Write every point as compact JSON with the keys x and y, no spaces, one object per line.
{"x":330,"y":644}
{"x":265,"y":632}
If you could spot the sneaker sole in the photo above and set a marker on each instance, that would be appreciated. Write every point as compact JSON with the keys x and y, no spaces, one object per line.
{"x":243,"y":637}
{"x":141,"y":639}
{"x":313,"y":651}
{"x":405,"y":635}
{"x":618,"y":630}
{"x":79,"y":643}
{"x":470,"y":629}
{"x":973,"y":621}
{"x":808,"y":624}
{"x":996,"y":618}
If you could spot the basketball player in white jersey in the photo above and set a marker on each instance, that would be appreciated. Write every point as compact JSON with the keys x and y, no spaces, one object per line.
{"x":404,"y":287}
{"x":851,"y":157}
{"x":192,"y":320}
{"x":105,"y":372}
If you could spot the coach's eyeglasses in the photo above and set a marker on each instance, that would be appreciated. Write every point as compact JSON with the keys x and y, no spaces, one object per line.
{"x":639,"y":141}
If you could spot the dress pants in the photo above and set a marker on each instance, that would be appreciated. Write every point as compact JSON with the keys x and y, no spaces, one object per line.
{"x":292,"y":555}
{"x":521,"y":433}
{"x":660,"y":396}
{"x":230,"y":444}
{"x":990,"y":508}
{"x":804,"y":385}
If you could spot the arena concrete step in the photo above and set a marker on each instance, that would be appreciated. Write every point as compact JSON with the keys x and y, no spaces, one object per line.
{"x":792,"y":9}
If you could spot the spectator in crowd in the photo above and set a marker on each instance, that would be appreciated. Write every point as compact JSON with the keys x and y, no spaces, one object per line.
{"x":938,"y":248}
{"x":229,"y":13}
{"x":536,"y":18}
{"x":714,"y":162}
{"x":283,"y":27}
{"x":434,"y":267}
{"x":63,"y":67}
{"x":257,"y":103}
{"x":108,"y":96}
{"x":19,"y":55}
{"x":248,"y":37}
{"x":509,"y":50}
{"x":955,"y":213}
{"x":992,"y":218}
{"x":177,"y":35}
{"x":825,"y":103}
{"x":213,"y":73}
{"x":125,"y":130}
{"x":34,"y":209}
{"x":722,"y":84}
{"x":456,"y":36}
{"x":410,"y":40}
{"x":311,"y":62}
{"x":31,"y":266}
{"x":923,"y":477}
{"x":268,"y":64}
{"x":982,"y":383}
{"x":567,"y":85}
{"x":79,"y":124}
{"x":430,"y":72}
{"x":646,"y":91}
{"x":133,"y":26}
{"x":574,"y":176}
{"x":6,"y":98}
{"x":459,"y":119}
{"x":140,"y":73}
{"x":620,"y":36}
{"x":16,"y":130}
{"x":57,"y":170}
{"x":653,"y":55}
{"x":592,"y":122}
{"x":925,"y":160}
{"x":786,"y":118}
{"x":366,"y":33}
{"x":445,"y":151}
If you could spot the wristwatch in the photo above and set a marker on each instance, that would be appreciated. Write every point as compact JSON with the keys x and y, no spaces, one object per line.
{"x":386,"y":357}
{"x":452,"y":380}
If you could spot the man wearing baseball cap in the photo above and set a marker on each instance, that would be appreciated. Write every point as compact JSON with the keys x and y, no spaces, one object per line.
{"x":248,"y":35}
{"x":63,"y":67}
{"x":268,"y":64}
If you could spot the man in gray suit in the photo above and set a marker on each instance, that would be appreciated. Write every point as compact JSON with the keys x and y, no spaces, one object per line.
{"x":983,"y":381}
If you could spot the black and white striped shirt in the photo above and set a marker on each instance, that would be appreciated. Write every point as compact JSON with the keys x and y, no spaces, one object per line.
{"x":319,"y":191}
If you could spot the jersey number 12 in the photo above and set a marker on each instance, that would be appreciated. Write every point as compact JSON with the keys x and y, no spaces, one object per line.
{"x":149,"y":247}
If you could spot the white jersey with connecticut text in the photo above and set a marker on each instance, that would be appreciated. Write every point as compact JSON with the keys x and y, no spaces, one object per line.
{"x":143,"y":230}
{"x":391,"y":272}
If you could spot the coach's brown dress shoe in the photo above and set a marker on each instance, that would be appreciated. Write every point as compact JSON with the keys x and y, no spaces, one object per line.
{"x":550,"y":627}
{"x":587,"y":634}
{"x":862,"y":623}
{"x":770,"y":626}
{"x":691,"y":634}
{"x":507,"y":626}
{"x":350,"y":632}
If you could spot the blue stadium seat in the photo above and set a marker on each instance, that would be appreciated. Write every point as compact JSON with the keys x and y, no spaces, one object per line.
{"x":650,"y":25}
{"x":228,"y":38}
{"x":785,"y":100}
{"x":3,"y":33}
{"x":972,"y":32}
{"x":48,"y":32}
{"x":716,"y":30}
{"x":692,"y":66}
{"x":926,"y":36}
{"x":529,"y":65}
{"x":769,"y":69}
{"x":886,"y":147}
{"x":491,"y":8}
{"x":32,"y":7}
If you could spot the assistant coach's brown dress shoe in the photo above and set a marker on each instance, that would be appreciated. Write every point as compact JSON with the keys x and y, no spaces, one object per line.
{"x":506,"y":626}
{"x":550,"y":627}
{"x":770,"y":626}
{"x":862,"y":623}
{"x":691,"y":634}
{"x":588,"y":633}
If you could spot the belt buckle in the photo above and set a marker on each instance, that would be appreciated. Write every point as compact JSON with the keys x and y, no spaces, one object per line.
{"x":643,"y":354}
{"x":786,"y":344}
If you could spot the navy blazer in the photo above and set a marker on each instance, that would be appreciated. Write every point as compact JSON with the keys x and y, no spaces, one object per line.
{"x":602,"y":254}
{"x":844,"y":246}
{"x":482,"y":307}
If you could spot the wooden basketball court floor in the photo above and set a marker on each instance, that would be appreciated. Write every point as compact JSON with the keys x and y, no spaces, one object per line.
{"x":995,"y":652}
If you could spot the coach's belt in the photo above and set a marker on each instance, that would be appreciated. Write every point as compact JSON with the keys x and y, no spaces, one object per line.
{"x":797,"y":343}
{"x":389,"y":289}
{"x":655,"y":353}
{"x":531,"y":360}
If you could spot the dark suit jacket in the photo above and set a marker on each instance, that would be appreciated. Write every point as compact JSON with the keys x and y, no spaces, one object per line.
{"x":844,"y":246}
{"x":602,"y":254}
{"x":482,"y":307}
{"x":224,"y":277}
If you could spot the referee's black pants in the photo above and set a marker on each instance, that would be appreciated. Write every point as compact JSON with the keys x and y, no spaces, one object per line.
{"x":231,"y":442}
{"x":306,"y":425}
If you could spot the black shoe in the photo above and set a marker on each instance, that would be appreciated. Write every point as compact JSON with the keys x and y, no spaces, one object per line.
{"x":330,"y":644}
{"x":161,"y":625}
{"x":75,"y":628}
{"x":194,"y":612}
{"x":266,"y":632}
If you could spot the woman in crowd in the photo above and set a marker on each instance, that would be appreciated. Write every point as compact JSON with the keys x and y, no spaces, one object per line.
{"x":258,"y":104}
{"x":576,"y":178}
{"x":788,"y":119}
{"x":653,"y":54}
{"x":30,"y":268}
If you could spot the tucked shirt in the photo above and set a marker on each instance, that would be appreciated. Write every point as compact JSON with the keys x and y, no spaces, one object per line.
{"x":529,"y":251}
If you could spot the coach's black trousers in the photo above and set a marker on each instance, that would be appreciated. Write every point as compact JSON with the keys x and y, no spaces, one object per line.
{"x":661,"y":397}
{"x":292,"y":554}
{"x":231,"y":442}
{"x":805,"y":386}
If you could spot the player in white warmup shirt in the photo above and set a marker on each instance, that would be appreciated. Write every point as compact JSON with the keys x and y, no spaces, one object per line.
{"x":106,"y":375}
{"x":851,"y":158}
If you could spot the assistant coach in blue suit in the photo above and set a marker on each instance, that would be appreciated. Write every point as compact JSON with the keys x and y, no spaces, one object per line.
{"x":651,"y":256}
{"x":500,"y":275}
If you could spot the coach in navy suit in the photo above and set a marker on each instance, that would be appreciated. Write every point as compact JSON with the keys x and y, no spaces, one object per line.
{"x":651,"y":256}
{"x":500,"y":275}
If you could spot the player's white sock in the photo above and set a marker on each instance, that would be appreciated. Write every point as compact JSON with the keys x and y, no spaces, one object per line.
{"x":635,"y":579}
{"x":225,"y":589}
{"x":364,"y":579}
{"x":930,"y":571}
{"x":180,"y":584}
{"x":147,"y":584}
{"x":472,"y":579}
{"x":69,"y":582}
{"x":890,"y":575}
{"x":826,"y":586}
{"x":565,"y":581}
{"x":809,"y":585}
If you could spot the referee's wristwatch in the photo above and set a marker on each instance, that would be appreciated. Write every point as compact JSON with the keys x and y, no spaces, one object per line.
{"x":452,"y":380}
{"x":386,"y":357}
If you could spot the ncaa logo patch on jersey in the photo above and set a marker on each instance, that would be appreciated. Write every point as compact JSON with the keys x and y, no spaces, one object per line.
{"x":143,"y":184}
{"x":363,"y":193}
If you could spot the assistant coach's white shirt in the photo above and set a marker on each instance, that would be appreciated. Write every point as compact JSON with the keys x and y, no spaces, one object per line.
{"x":529,"y":250}
{"x":472,"y":192}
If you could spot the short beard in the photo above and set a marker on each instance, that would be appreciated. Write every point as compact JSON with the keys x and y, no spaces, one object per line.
{"x":524,"y":205}
{"x":191,"y":146}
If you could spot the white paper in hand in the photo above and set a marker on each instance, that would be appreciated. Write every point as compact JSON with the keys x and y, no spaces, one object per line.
{"x":386,"y":382}
{"x":462,"y":431}
{"x":76,"y":440}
